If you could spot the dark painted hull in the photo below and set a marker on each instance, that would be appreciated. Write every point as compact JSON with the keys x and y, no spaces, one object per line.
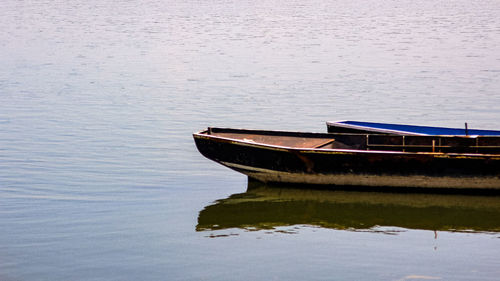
{"x":269,"y":163}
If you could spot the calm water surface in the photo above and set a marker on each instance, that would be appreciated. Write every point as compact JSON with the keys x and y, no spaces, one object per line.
{"x":100,"y":178}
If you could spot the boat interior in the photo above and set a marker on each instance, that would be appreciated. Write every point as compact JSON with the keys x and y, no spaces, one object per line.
{"x":384,"y":142}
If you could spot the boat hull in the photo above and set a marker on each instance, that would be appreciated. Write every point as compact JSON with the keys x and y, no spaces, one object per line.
{"x":366,"y":180}
{"x":353,"y":167}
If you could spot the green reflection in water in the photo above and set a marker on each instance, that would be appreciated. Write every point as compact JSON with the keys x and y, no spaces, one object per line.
{"x":267,"y":207}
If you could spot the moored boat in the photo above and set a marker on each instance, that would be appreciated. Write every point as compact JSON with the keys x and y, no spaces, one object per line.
{"x":356,"y":159}
{"x":400,"y":129}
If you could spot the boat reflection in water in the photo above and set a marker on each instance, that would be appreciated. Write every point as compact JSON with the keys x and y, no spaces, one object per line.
{"x":267,"y":207}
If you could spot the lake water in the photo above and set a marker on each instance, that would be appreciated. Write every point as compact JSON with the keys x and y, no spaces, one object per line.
{"x":100,"y":178}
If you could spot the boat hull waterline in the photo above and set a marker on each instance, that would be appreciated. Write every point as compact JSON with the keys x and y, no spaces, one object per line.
{"x":346,"y":167}
{"x":272,"y":176}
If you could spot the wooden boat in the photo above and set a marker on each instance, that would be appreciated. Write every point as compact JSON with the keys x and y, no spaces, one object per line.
{"x":269,"y":207}
{"x":356,"y":159}
{"x":399,"y":129}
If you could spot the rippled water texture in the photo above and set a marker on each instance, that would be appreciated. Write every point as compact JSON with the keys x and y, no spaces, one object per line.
{"x":100,"y":178}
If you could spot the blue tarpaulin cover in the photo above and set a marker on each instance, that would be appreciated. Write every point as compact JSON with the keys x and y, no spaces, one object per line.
{"x":424,"y":130}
